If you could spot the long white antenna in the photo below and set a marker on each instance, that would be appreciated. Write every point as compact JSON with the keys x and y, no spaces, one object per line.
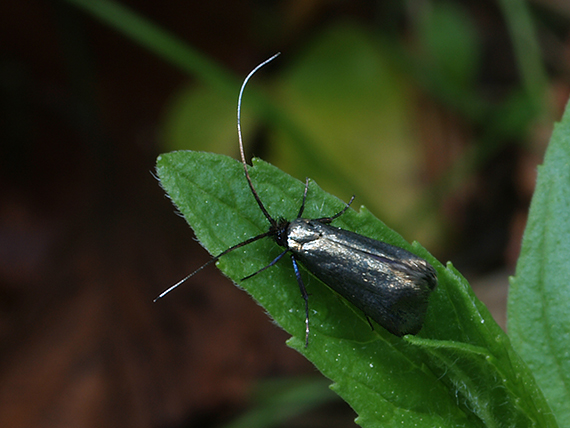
{"x":255,"y":238}
{"x":241,"y":150}
{"x":252,"y":72}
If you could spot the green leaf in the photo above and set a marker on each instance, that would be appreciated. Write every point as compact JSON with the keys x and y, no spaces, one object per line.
{"x":459,"y":371}
{"x":539,"y":297}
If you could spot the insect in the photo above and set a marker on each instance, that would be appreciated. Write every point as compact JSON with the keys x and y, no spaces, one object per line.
{"x":388,"y":284}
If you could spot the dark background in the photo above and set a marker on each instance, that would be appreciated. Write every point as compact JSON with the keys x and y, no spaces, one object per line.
{"x":88,"y":239}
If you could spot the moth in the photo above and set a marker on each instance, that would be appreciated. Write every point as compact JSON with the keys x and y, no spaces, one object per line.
{"x":388,"y":284}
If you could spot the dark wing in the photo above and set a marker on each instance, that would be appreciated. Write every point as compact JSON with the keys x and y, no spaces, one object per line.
{"x":389,"y":284}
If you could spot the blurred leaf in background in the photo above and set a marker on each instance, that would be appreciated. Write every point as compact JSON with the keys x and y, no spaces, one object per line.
{"x":199,"y":117}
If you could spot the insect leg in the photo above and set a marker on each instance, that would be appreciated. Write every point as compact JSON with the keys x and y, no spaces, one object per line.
{"x":305,"y":297}
{"x":275,"y":260}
